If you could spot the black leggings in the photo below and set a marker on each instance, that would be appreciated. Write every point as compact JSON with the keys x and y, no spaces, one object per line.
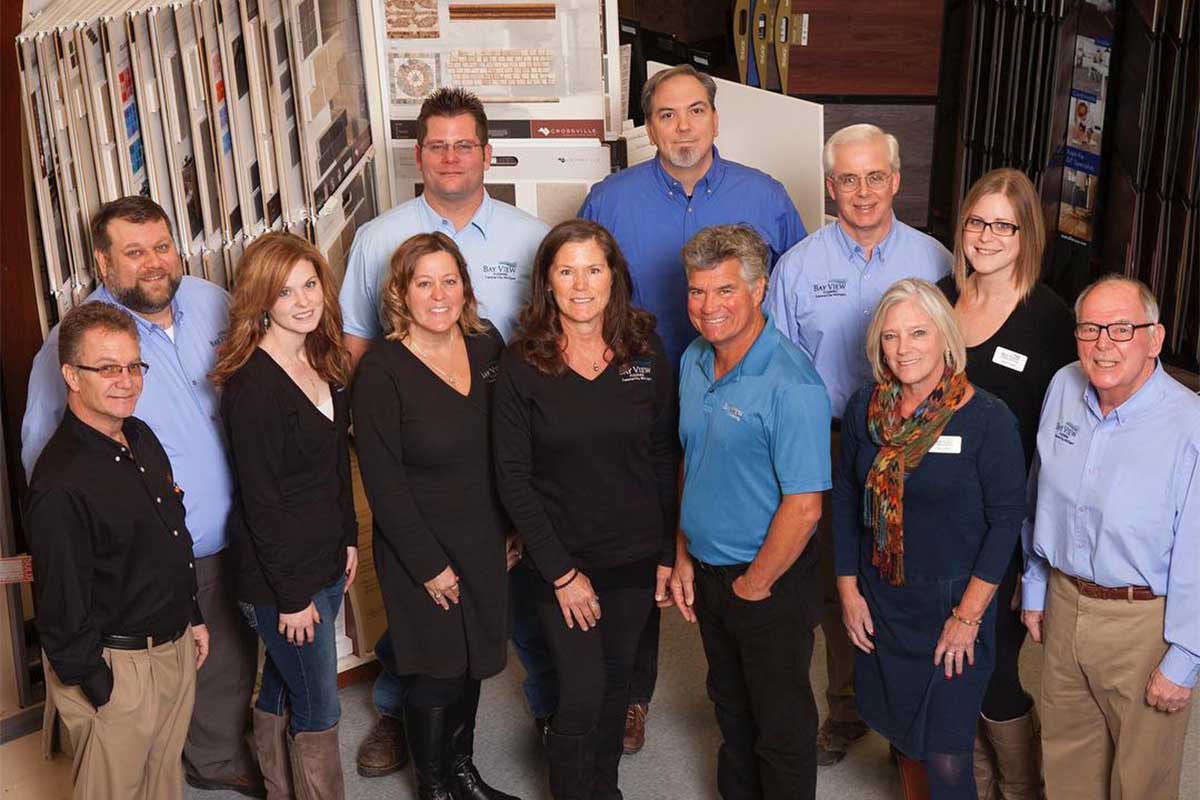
{"x":594,"y":670}
{"x":1005,"y":698}
{"x":426,"y":691}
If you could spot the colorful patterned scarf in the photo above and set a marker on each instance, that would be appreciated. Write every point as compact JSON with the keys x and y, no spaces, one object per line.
{"x":902,"y":444}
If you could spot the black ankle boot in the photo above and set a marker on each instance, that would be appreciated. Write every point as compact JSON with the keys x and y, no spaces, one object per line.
{"x":428,"y":744}
{"x":572,"y":764}
{"x":464,"y":777}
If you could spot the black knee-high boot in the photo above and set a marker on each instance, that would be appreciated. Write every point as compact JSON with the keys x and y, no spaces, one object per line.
{"x":572,"y":764}
{"x":464,"y":777}
{"x":428,"y":740}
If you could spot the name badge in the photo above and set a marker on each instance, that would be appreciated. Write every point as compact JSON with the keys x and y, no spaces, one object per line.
{"x":947,"y":444}
{"x":1010,"y":358}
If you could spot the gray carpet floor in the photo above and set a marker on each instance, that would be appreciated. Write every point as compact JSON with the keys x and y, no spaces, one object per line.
{"x":679,"y":760}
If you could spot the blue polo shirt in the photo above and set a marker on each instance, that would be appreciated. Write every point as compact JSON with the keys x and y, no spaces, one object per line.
{"x":758,"y":433}
{"x":177,"y":402}
{"x":822,"y":295}
{"x":499,"y":244}
{"x":647,"y":212}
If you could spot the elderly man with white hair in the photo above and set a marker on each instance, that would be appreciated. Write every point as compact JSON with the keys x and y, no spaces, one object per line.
{"x":1112,"y":550}
{"x":822,"y":294}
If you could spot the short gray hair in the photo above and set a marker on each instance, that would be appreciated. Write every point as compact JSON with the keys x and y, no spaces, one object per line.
{"x":717,"y":244}
{"x":1147,"y":298}
{"x":931,"y":300}
{"x":855,"y":134}
{"x":657,"y":78}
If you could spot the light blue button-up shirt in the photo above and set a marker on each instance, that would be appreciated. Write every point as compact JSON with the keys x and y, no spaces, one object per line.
{"x":1116,"y":501}
{"x":177,"y":402}
{"x":499,"y":244}
{"x":650,"y":216}
{"x":824,"y":291}
{"x":758,"y":432}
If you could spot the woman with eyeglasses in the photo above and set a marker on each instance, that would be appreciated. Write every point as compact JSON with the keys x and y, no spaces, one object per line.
{"x":293,"y":530}
{"x":1018,"y":333}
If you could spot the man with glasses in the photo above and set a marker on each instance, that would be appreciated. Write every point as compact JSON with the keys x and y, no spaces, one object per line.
{"x":1112,"y":551}
{"x":822,"y":295}
{"x":652,"y":209}
{"x":179,"y":320}
{"x":499,"y":242}
{"x":115,"y":575}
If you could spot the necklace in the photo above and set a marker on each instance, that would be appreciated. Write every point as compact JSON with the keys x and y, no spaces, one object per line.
{"x":425,"y":357}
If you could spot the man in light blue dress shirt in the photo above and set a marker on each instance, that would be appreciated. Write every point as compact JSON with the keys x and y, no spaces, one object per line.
{"x":498,"y":242}
{"x":1112,"y":548}
{"x":180,"y":322}
{"x":822,"y":295}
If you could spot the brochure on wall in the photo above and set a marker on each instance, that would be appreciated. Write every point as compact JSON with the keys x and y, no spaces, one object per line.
{"x":126,"y":110}
{"x":1085,"y":132}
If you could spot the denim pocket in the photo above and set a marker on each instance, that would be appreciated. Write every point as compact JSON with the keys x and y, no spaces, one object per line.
{"x":248,"y":613}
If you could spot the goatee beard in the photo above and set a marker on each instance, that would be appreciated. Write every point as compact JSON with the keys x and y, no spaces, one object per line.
{"x":134,"y":298}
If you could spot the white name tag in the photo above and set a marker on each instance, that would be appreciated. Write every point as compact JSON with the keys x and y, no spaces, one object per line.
{"x":947,"y":444}
{"x":1010,"y":358}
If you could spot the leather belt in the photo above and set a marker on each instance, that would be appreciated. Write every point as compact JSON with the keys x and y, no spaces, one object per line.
{"x":1128,"y":593}
{"x":118,"y":641}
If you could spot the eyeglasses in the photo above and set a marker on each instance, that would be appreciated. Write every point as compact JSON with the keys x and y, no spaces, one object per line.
{"x":440,"y":149}
{"x":849,"y":182}
{"x":998,"y":227}
{"x":1117,"y":331}
{"x":111,"y":371}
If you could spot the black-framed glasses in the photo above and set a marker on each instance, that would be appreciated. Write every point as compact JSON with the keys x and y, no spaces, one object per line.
{"x":1117,"y":331}
{"x":998,"y":227}
{"x":460,"y":148}
{"x":135,"y":369}
{"x":850,"y":182}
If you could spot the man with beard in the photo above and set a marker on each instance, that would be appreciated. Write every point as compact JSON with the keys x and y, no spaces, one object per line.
{"x":652,"y":209}
{"x":180,"y":321}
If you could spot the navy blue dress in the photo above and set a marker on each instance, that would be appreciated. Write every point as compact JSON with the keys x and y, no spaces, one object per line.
{"x":962,"y":517}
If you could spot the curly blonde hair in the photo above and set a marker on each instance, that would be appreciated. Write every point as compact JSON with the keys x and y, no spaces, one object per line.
{"x":394,"y":312}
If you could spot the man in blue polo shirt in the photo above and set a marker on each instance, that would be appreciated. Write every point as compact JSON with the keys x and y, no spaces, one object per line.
{"x":498,"y":242}
{"x":652,"y":209}
{"x":754,"y":423}
{"x":822,"y":295}
{"x":180,"y":321}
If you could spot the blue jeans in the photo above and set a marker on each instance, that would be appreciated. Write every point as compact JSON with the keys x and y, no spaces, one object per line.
{"x":301,"y":679}
{"x":541,"y":681}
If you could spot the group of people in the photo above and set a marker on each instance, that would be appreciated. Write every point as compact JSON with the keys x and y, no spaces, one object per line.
{"x":678,"y":399}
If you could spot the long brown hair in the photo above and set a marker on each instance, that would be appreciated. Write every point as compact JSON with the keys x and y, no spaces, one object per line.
{"x":393,"y":303}
{"x":260,"y":277}
{"x":1018,"y":189}
{"x":627,"y":330}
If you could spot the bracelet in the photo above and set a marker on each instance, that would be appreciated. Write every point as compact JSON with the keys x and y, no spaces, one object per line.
{"x":972,"y":622}
{"x":567,"y":582}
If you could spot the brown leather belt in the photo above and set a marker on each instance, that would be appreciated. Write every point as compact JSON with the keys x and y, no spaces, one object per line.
{"x":1129,"y":593}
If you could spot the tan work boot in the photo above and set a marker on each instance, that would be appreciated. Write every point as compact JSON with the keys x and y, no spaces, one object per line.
{"x":1017,"y":744}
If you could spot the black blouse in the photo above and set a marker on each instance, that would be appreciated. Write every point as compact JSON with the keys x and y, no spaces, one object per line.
{"x":589,"y":470}
{"x":1017,"y":362}
{"x":293,"y":511}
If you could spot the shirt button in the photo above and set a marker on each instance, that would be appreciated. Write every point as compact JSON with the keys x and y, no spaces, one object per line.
{"x":690,"y":210}
{"x":1079,"y":508}
{"x":190,"y":565}
{"x":143,"y":469}
{"x":158,"y":499}
{"x":174,"y":533}
{"x":116,"y":458}
{"x":193,"y":383}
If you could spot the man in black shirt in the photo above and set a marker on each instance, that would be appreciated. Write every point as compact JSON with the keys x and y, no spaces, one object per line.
{"x":114,"y":572}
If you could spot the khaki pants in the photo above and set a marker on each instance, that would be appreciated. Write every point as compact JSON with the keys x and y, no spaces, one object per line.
{"x":839,"y":653}
{"x":130,"y":748}
{"x":1099,"y":737}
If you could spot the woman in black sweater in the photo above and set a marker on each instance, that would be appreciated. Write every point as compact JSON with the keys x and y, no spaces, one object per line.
{"x":587,"y":464}
{"x":293,"y":531}
{"x":1018,"y":333}
{"x":422,"y":408}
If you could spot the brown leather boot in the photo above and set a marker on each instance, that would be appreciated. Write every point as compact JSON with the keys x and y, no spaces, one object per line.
{"x":384,"y":751}
{"x":1017,"y":744}
{"x":271,"y":740}
{"x":317,"y":765}
{"x":635,"y":728}
{"x":913,"y":782}
{"x":985,"y":765}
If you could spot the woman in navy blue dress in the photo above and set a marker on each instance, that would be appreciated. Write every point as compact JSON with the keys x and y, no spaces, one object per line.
{"x":928,"y":502}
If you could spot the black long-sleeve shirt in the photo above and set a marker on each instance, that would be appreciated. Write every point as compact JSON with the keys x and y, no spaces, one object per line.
{"x":589,"y":470}
{"x":293,"y":511}
{"x":111,"y":552}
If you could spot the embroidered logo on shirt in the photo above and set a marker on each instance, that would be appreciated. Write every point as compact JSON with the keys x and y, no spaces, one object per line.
{"x":834,"y":287}
{"x":733,"y":411}
{"x":221,"y":337}
{"x":490,"y":372}
{"x":640,"y":370}
{"x":1066,"y":432}
{"x":501,"y":271}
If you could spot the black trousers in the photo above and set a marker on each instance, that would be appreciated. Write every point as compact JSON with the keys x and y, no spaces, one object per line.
{"x":759,"y":656}
{"x":594,"y":669}
{"x":645,"y":663}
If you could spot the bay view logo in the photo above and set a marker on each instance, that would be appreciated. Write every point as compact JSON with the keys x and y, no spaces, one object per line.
{"x":501,"y":271}
{"x":1066,"y":432}
{"x":733,"y":411}
{"x":834,"y":287}
{"x":489,"y":373}
{"x":639,"y":371}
